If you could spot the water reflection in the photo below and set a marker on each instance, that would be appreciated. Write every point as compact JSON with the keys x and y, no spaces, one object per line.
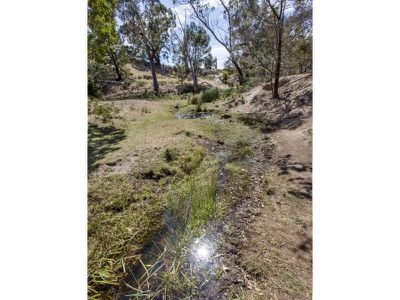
{"x":202,"y":251}
{"x":203,"y":255}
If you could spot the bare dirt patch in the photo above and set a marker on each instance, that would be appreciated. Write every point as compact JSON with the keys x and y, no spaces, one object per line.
{"x":289,"y":111}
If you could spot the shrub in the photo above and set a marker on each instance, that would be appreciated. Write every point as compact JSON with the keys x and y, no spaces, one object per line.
{"x":93,"y":89}
{"x":104,"y":111}
{"x":210,"y":95}
{"x":225,"y":76}
{"x":229,"y":92}
{"x":185,"y":88}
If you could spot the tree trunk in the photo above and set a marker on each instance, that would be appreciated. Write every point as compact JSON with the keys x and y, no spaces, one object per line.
{"x":156,"y":87}
{"x":239,"y":71}
{"x":115,"y":63}
{"x":277,"y":72}
{"x":193,"y":73}
{"x":157,"y":61}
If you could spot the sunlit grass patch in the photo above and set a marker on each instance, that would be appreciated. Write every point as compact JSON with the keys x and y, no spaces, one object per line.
{"x":192,"y":200}
{"x":121,"y":220}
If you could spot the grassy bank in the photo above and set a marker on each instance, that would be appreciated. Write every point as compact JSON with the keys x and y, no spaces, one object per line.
{"x":148,"y":162}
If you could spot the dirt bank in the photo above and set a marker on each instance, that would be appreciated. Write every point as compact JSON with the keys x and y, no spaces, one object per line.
{"x":268,"y":244}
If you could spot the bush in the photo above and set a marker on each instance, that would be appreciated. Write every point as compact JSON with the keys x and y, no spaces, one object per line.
{"x":93,"y":89}
{"x":229,"y":92}
{"x":225,"y":76}
{"x":210,"y":95}
{"x":106,"y":112}
{"x":185,"y":88}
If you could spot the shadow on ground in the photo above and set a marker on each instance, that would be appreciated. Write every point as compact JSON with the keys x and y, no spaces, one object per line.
{"x":102,"y":140}
{"x":302,"y":182}
{"x":287,"y":112}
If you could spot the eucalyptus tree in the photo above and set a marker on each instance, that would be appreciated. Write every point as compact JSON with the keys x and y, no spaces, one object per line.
{"x":104,"y":44}
{"x":223,"y":33}
{"x":193,"y":46}
{"x":266,"y":32}
{"x":147,"y":25}
{"x":298,"y":46}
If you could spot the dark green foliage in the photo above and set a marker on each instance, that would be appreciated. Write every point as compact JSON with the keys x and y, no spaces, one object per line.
{"x":93,"y":89}
{"x":210,"y":95}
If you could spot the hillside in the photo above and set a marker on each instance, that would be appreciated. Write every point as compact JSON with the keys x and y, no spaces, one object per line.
{"x":268,"y":246}
{"x":138,"y":83}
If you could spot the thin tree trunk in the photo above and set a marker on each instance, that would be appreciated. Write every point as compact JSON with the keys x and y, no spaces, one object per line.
{"x":114,"y":61}
{"x":278,"y":65}
{"x":157,"y":61}
{"x":156,"y":87}
{"x":239,"y":71}
{"x":193,"y":73}
{"x":218,"y":39}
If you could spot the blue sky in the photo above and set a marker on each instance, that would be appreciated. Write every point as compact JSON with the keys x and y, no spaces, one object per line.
{"x":217,"y":49}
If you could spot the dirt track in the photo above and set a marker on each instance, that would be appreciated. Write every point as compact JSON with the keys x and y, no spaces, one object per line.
{"x":268,"y":244}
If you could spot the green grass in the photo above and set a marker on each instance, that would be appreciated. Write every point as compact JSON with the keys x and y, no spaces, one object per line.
{"x":210,"y":95}
{"x":174,"y":173}
{"x":192,"y":204}
{"x":124,"y":216}
{"x":192,"y":200}
{"x":121,"y":220}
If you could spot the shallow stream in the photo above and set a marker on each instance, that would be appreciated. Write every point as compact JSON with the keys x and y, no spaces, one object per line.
{"x":200,"y":261}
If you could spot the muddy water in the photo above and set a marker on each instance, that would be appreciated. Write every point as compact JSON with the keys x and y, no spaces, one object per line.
{"x":201,"y":259}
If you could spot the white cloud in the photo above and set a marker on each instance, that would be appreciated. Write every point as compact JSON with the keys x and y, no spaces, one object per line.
{"x":221,"y":54}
